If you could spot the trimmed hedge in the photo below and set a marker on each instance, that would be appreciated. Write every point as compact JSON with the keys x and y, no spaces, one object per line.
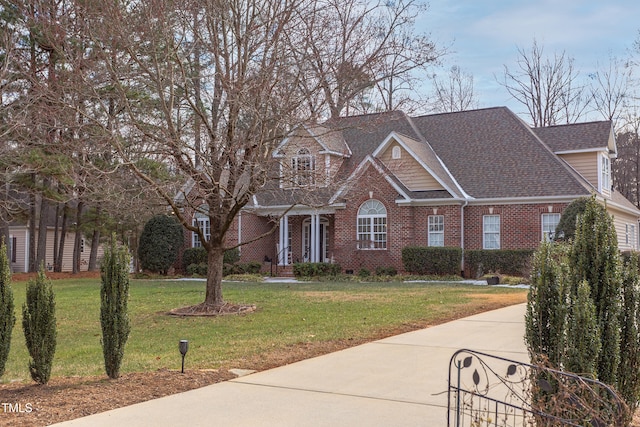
{"x":316,"y":269}
{"x":200,"y":269}
{"x":511,"y":262}
{"x":196,"y":256}
{"x":252,"y":267}
{"x":193,"y":256}
{"x":431,"y":260}
{"x":386,"y":271}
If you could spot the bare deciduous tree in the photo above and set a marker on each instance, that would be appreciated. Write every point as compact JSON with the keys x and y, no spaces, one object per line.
{"x":363,"y":55}
{"x":610,"y":88}
{"x":454,"y":92}
{"x":238,"y":89}
{"x":547,"y":87}
{"x":212,"y":88}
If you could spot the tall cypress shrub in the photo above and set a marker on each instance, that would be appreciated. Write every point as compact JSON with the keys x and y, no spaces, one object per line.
{"x":114,"y":317}
{"x":594,"y":258}
{"x":583,"y":334}
{"x":39,"y":325}
{"x":629,"y":368}
{"x":7,"y":309}
{"x":545,"y":319}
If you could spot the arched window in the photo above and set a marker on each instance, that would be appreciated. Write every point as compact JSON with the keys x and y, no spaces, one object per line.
{"x":201,"y":220}
{"x":303,"y":167}
{"x":372,"y":225}
{"x":395,"y":152}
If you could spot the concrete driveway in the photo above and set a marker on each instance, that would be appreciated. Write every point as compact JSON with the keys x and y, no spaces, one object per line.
{"x":397,"y":381}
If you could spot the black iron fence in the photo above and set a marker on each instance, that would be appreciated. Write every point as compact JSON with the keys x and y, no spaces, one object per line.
{"x":487,"y":390}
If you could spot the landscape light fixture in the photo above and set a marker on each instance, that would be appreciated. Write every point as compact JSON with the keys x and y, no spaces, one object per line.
{"x":184,"y":347}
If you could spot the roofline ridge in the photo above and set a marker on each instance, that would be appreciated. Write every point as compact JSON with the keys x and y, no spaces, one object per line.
{"x":444,"y":113}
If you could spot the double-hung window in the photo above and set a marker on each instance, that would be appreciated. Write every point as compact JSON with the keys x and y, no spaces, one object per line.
{"x":630,"y":235}
{"x":436,"y":230}
{"x":549,"y":223}
{"x":605,"y":174}
{"x":491,"y":232}
{"x":372,"y":225}
{"x":303,"y":167}
{"x":201,"y":220}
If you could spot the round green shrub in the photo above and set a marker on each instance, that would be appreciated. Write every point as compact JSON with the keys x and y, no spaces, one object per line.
{"x":160,"y":241}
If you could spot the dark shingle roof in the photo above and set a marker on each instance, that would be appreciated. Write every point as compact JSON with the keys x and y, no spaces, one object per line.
{"x":493,"y":154}
{"x":365,"y":133}
{"x":488,"y":153}
{"x":575,"y":137}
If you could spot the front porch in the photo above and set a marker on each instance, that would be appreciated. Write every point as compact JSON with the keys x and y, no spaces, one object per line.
{"x":305,"y":237}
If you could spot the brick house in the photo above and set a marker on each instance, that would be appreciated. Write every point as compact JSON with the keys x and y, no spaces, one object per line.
{"x":356,"y":190}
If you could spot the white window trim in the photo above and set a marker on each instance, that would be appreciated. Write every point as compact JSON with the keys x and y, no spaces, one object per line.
{"x":631,"y":236}
{"x":371,"y":242}
{"x":396,"y":152}
{"x":604,"y":173}
{"x":545,"y":233}
{"x":201,"y":220}
{"x":303,"y":177}
{"x":485,"y":232}
{"x":434,"y":233}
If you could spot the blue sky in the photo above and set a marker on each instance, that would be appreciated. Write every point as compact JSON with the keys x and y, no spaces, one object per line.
{"x":484,"y":35}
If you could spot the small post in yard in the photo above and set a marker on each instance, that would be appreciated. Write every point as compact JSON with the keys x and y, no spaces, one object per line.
{"x":184,"y":347}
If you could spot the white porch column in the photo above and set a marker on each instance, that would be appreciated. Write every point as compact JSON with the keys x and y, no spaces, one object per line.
{"x":285,"y":240}
{"x":314,"y":240}
{"x":281,"y":242}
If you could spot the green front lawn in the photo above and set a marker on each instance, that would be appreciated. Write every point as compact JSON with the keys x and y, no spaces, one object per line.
{"x":288,"y":314}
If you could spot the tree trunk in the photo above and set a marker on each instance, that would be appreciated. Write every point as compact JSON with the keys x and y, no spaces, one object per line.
{"x":63,"y":236}
{"x":93,"y":256}
{"x":78,"y":239}
{"x":95,"y":241}
{"x":215,"y":257}
{"x":56,"y":236}
{"x":32,"y":233}
{"x":41,"y":254}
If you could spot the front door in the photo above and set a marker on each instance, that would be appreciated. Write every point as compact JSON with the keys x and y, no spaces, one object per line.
{"x":323,"y":240}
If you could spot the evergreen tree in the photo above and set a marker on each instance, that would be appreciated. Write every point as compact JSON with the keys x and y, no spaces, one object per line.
{"x":7,"y":311}
{"x":114,"y":317}
{"x":583,"y":335}
{"x":629,"y":368}
{"x":594,"y":258}
{"x":545,"y":318}
{"x":39,"y":325}
{"x":566,"y":228}
{"x":160,"y":241}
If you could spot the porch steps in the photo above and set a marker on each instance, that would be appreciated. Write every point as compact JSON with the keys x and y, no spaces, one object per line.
{"x":285,"y":271}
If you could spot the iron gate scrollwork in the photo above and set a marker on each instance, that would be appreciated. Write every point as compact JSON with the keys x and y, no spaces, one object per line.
{"x":486,"y":390}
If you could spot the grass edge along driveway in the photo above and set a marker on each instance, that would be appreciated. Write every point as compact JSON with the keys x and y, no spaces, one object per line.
{"x":293,"y":321}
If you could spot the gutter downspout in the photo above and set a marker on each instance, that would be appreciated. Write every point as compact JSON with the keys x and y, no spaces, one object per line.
{"x":466,"y":202}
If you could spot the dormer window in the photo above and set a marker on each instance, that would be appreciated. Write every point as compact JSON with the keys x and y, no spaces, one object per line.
{"x":605,"y":174}
{"x":303,"y":167}
{"x":395,"y":152}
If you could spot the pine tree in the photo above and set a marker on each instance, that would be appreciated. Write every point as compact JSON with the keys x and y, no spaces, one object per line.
{"x":7,"y":310}
{"x":39,"y":325}
{"x":114,"y":317}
